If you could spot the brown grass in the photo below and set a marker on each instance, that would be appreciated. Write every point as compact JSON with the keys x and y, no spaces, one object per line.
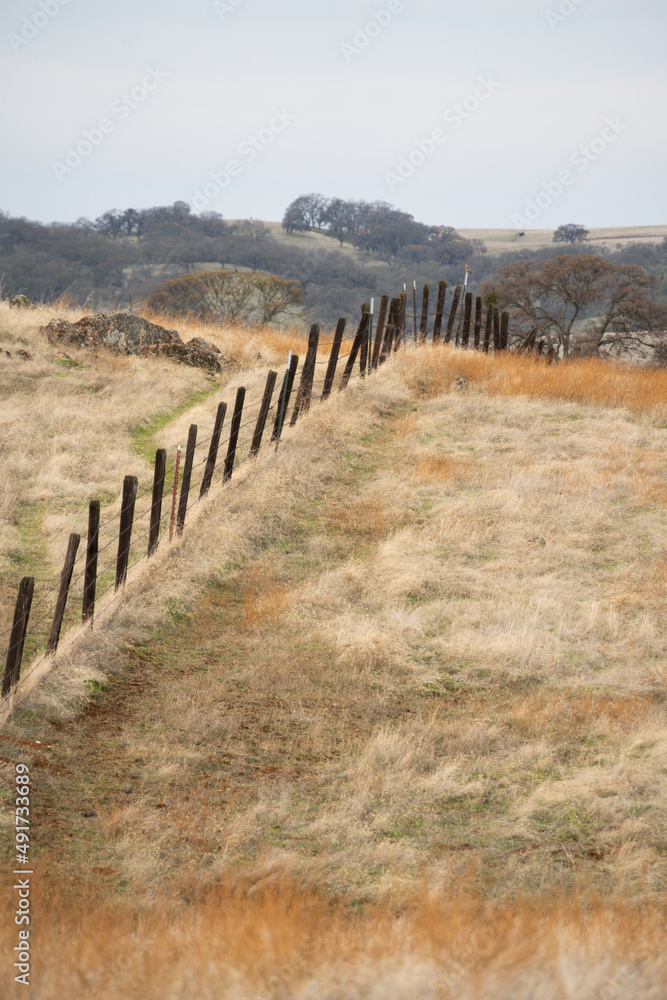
{"x":589,"y":380}
{"x":280,"y":940}
{"x":420,"y":647}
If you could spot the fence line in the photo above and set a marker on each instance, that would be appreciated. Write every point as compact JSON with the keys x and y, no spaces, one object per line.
{"x":370,"y":349}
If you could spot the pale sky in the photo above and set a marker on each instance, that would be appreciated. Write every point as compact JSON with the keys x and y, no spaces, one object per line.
{"x":544,"y":88}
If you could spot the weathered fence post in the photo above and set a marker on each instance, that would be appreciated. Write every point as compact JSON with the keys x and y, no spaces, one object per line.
{"x":403,"y":323}
{"x":489,"y":329}
{"x":175,"y":494}
{"x":478,"y":321}
{"x":439,"y":311}
{"x":467,"y":318}
{"x":333,"y":359}
{"x":61,"y":603}
{"x":263,"y":413}
{"x":234,"y":434}
{"x":156,"y":503}
{"x":423,"y":324}
{"x":305,"y":392}
{"x":496,"y":329}
{"x":361,"y":335}
{"x":363,"y":346}
{"x":283,"y":404}
{"x":379,"y":334}
{"x":390,"y":331}
{"x":92,"y":548}
{"x":125,"y":534}
{"x":213,"y":449}
{"x":17,"y":637}
{"x":504,"y":330}
{"x":187,"y":476}
{"x":452,"y":313}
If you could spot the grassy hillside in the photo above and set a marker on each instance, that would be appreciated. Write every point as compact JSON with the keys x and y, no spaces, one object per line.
{"x":389,"y":720}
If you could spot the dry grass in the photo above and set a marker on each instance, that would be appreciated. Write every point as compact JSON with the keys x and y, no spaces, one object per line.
{"x":423,"y":646}
{"x":589,"y":380}
{"x":282,"y":941}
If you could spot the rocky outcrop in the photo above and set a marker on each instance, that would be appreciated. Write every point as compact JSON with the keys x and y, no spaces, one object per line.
{"x":21,"y":302}
{"x":124,"y":333}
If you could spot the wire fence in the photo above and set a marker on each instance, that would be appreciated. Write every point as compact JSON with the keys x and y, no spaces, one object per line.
{"x":144,"y":520}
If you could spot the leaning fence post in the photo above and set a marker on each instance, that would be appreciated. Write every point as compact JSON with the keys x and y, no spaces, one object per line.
{"x":283,"y":405}
{"x":379,"y":335}
{"x":305,"y":392}
{"x":92,"y":548}
{"x":467,"y":318}
{"x":452,"y":313}
{"x":333,"y":359}
{"x":187,"y":476}
{"x":439,"y":311}
{"x":504,"y":330}
{"x":390,"y":330}
{"x":156,"y":501}
{"x":234,"y":434}
{"x":125,"y":534}
{"x":263,"y":413}
{"x":489,"y":329}
{"x":361,"y":334}
{"x":424,"y":318}
{"x":213,"y":450}
{"x":61,"y":603}
{"x":17,"y":638}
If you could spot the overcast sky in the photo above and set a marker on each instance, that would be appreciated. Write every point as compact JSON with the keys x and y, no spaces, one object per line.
{"x":518,"y":93}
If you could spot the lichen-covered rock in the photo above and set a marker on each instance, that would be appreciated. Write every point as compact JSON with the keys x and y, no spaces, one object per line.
{"x":204,"y":345}
{"x":21,"y":302}
{"x":195,"y":357}
{"x":119,"y":332}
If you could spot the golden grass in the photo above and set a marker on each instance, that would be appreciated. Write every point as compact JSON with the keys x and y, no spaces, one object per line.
{"x":588,"y":380}
{"x":281,"y":940}
{"x":423,"y":646}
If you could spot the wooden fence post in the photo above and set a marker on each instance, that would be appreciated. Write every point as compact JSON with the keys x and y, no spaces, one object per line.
{"x":467,"y":318}
{"x":305,"y":392}
{"x":283,"y":403}
{"x":489,"y":329}
{"x":263,"y":413}
{"x":156,"y":503}
{"x":496,"y":329}
{"x":333,"y":359}
{"x":361,"y":335}
{"x":439,"y":311}
{"x":187,"y":476}
{"x":17,"y":637}
{"x":504,"y":330}
{"x":125,"y":533}
{"x":379,"y":333}
{"x":92,"y":548}
{"x":452,"y":313}
{"x":390,"y":332}
{"x":403,"y":323}
{"x":478,"y":321}
{"x":423,"y":324}
{"x":363,"y":346}
{"x":234,"y":434}
{"x":213,"y":449}
{"x":61,"y":603}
